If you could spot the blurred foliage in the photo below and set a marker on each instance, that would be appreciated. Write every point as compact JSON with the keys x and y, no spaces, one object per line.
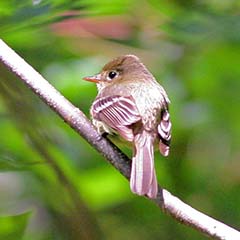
{"x":193,"y":49}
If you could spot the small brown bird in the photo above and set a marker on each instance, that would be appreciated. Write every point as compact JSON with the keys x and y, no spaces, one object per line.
{"x":131,"y":103}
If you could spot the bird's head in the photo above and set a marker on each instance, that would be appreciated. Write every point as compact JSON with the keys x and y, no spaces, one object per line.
{"x":121,"y":69}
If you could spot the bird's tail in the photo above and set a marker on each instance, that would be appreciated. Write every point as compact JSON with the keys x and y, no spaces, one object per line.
{"x":143,"y":177}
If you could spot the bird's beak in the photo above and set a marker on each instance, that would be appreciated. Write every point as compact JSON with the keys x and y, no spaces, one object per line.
{"x":95,"y":78}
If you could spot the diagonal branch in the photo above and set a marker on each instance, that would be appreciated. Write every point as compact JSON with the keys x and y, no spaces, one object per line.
{"x":78,"y":121}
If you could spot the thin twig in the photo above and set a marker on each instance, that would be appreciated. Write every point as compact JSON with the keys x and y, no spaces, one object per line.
{"x":78,"y":121}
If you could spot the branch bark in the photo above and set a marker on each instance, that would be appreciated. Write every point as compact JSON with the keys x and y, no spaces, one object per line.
{"x":78,"y":121}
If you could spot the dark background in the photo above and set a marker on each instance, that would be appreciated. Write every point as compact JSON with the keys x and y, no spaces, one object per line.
{"x":53,"y":185}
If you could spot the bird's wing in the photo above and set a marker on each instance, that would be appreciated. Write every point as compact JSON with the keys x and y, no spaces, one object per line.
{"x":164,"y":130}
{"x":118,"y":112}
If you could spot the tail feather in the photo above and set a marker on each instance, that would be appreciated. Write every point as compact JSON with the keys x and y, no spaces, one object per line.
{"x":143,"y":177}
{"x":153,"y":190}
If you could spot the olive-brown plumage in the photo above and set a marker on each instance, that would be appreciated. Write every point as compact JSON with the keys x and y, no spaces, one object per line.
{"x":131,"y":103}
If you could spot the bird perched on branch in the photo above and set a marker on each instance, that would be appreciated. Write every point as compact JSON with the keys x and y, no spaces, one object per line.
{"x":131,"y":103}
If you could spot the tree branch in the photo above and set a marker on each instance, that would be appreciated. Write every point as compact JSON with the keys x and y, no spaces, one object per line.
{"x":78,"y":121}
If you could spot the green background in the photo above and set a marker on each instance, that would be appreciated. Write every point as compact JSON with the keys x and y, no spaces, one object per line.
{"x":53,"y":185}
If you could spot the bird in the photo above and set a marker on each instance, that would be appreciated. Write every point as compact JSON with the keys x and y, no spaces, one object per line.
{"x":131,"y":104}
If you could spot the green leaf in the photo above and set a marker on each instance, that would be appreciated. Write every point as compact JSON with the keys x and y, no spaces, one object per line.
{"x":13,"y":227}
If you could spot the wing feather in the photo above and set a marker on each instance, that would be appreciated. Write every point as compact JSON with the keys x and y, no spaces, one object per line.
{"x":118,"y":112}
{"x":164,"y":130}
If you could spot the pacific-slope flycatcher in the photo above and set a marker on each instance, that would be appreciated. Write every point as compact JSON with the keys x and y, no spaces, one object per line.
{"x":133,"y":104}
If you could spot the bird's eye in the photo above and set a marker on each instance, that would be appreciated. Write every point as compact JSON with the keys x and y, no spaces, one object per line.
{"x":112,"y":75}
